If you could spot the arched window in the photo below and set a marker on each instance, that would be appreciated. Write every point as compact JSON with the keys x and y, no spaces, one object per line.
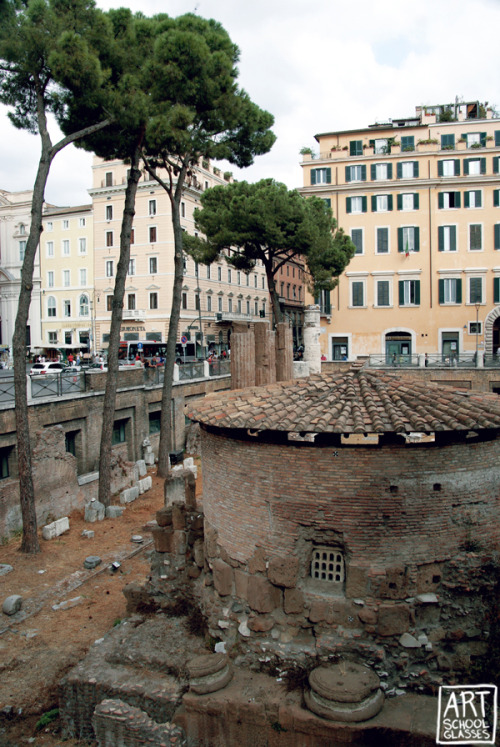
{"x":84,"y":305}
{"x":51,"y":306}
{"x":22,"y":229}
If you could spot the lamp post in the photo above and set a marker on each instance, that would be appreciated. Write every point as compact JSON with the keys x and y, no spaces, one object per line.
{"x":477,"y":334}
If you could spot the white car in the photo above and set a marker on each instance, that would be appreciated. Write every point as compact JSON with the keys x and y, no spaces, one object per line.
{"x":53,"y":367}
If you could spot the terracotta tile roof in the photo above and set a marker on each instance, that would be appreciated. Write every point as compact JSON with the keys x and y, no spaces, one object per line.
{"x":360,"y":401}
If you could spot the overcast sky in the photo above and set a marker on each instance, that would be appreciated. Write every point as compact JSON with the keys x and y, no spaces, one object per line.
{"x":318,"y":67}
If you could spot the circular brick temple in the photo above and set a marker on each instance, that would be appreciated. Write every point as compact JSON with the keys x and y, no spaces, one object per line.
{"x":353,"y":514}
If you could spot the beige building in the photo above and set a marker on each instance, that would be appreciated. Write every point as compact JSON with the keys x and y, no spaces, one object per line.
{"x":213,"y":298}
{"x":67,"y":272}
{"x":420,"y":198}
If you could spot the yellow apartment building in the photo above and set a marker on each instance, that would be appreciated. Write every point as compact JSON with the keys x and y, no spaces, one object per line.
{"x":420,"y":198}
{"x":67,"y":273}
{"x":214,"y":297}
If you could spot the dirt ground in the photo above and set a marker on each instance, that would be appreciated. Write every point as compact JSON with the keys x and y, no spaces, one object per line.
{"x":40,"y":644}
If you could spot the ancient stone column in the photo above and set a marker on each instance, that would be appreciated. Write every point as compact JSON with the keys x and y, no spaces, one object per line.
{"x":242,"y":359}
{"x":312,"y":349}
{"x":265,"y":355}
{"x":284,"y":352}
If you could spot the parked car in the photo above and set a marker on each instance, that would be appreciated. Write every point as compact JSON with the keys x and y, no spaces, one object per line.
{"x":52,"y":367}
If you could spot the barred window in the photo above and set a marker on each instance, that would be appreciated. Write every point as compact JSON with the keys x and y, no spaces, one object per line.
{"x":327,"y":564}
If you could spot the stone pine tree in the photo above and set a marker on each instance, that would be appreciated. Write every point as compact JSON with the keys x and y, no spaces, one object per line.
{"x":49,"y":62}
{"x":199,"y":112}
{"x":266,"y":222}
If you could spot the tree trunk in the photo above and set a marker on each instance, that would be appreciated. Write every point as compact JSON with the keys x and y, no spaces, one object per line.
{"x":108,"y":413}
{"x":166,"y":400}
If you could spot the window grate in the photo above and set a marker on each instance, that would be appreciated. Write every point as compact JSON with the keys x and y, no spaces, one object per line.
{"x":327,"y":565}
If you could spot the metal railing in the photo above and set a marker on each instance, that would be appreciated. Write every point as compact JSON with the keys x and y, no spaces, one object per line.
{"x":192,"y":371}
{"x":219,"y":367}
{"x":393,"y":361}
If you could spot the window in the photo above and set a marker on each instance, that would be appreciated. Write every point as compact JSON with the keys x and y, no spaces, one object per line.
{"x":356,"y":148}
{"x":109,"y":268}
{"x":475,"y":290}
{"x":450,"y":167}
{"x":475,"y":139}
{"x":22,"y":250}
{"x":67,"y":308}
{"x":356,"y":204}
{"x":152,"y":207}
{"x":256,"y":308}
{"x":496,"y":198}
{"x":82,"y":246}
{"x":327,"y":564}
{"x":197,"y":301}
{"x":65,"y":247}
{"x":380,"y":145}
{"x":248,"y":307}
{"x":153,"y":300}
{"x":109,"y":179}
{"x":239,"y":305}
{"x":68,"y":339}
{"x":81,"y":222}
{"x":51,"y":306}
{"x":229,"y":276}
{"x":209,"y":303}
{"x":382,"y":240}
{"x":380,"y":171}
{"x":50,"y":279}
{"x":475,"y":237}
{"x":238,"y":278}
{"x":109,"y":303}
{"x":263,"y":282}
{"x":474,"y":166}
{"x":321,"y":176}
{"x":184,"y":300}
{"x":83,"y":276}
{"x":84,"y":305}
{"x":447,"y":238}
{"x":131,"y":267}
{"x":450,"y":290}
{"x":155,"y":422}
{"x":219,"y":273}
{"x":357,"y":239}
{"x":52,"y":338}
{"x":383,"y":288}
{"x":219,"y":303}
{"x":447,"y":142}
{"x":153,"y":265}
{"x":381,"y":203}
{"x":357,"y":293}
{"x":152,"y":234}
{"x":255,"y":280}
{"x":109,"y":238}
{"x":322,"y":299}
{"x":407,"y":143}
{"x":409,"y":292}
{"x":50,"y":248}
{"x":65,"y":225}
{"x":209,"y":274}
{"x":408,"y":201}
{"x":496,"y":236}
{"x":66,"y":278}
{"x":473,"y":198}
{"x":407,"y":170}
{"x":408,"y":239}
{"x":496,"y":290}
{"x":230,"y":304}
{"x":109,"y":212}
{"x":50,"y":226}
{"x":131,"y":302}
{"x":355,"y":173}
{"x":119,"y":434}
{"x":448,"y":200}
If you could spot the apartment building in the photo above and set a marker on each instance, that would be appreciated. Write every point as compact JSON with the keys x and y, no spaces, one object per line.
{"x":214,"y":298}
{"x":420,"y":198}
{"x":67,"y":276}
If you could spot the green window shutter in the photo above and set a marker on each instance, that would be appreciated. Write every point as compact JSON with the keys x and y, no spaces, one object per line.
{"x":363,"y":204}
{"x":496,"y":290}
{"x":497,"y":138}
{"x":399,"y":168}
{"x":417,"y":239}
{"x":353,"y":151}
{"x":458,"y":290}
{"x":374,"y":203}
{"x":479,"y":198}
{"x":441,"y":239}
{"x":389,"y":170}
{"x":328,"y":201}
{"x":373,"y":172}
{"x":416,"y":201}
{"x":466,"y":166}
{"x":441,"y":290}
{"x":440,"y":168}
{"x":482,"y":136}
{"x":348,"y":173}
{"x":464,"y":136}
{"x":496,"y":198}
{"x":389,"y":202}
{"x":313,"y":176}
{"x":415,"y":168}
{"x":440,"y":200}
{"x":453,"y":238}
{"x":466,"y":199}
{"x":328,"y":176}
{"x":400,"y":201}
{"x":400,"y":240}
{"x":496,"y":161}
{"x":457,"y":166}
{"x":417,"y":292}
{"x":457,"y":199}
{"x":363,"y":173}
{"x":348,"y":204}
{"x":496,"y":228}
{"x":371,"y":143}
{"x":401,"y":286}
{"x":483,"y":165}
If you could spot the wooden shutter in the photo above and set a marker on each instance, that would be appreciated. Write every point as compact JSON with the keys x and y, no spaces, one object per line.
{"x":400,"y":240}
{"x":457,"y":166}
{"x":458,"y":290}
{"x":389,"y":202}
{"x":417,"y":292}
{"x":373,"y":172}
{"x":466,"y":199}
{"x":416,"y":200}
{"x":416,"y":240}
{"x":496,"y":290}
{"x":399,"y":168}
{"x":440,"y":200}
{"x":401,"y":287}
{"x":415,"y":168}
{"x":400,"y":201}
{"x":374,"y":203}
{"x":482,"y":168}
{"x":389,"y":170}
{"x":441,"y":290}
{"x":313,"y":176}
{"x":348,"y":173}
{"x":441,"y":239}
{"x":496,"y":198}
{"x":348,"y":204}
{"x":363,"y":173}
{"x":440,"y":168}
{"x":364,"y":204}
{"x":496,"y":161}
{"x":496,"y":233}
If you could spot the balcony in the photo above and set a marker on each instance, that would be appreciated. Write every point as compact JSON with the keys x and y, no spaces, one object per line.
{"x":138,"y":315}
{"x":234,"y":316}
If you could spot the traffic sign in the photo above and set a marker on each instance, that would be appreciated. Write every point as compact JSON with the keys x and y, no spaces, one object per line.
{"x":184,"y":339}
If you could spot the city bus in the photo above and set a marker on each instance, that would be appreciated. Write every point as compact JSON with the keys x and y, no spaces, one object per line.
{"x":147,"y":349}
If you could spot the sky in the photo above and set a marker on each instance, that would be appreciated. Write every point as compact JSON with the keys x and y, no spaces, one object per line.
{"x":317,"y":67}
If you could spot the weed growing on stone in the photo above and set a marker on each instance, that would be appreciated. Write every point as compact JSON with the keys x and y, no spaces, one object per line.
{"x":47,"y":719}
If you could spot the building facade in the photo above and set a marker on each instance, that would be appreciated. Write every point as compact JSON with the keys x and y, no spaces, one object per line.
{"x":420,"y":198}
{"x":214,"y":298}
